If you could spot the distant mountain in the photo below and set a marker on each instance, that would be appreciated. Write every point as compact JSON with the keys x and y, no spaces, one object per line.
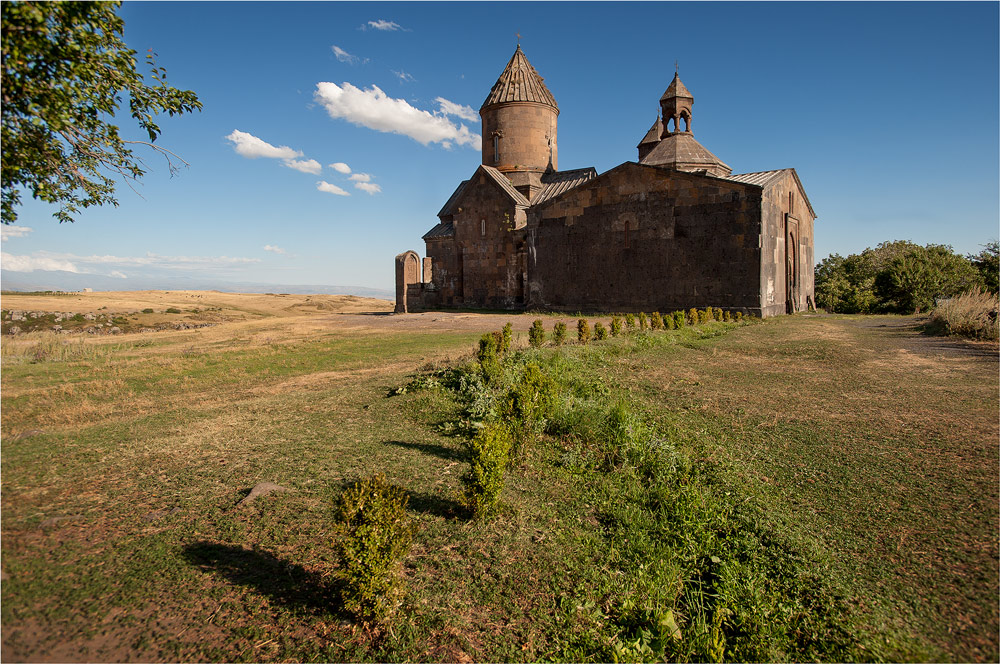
{"x":42,"y":280}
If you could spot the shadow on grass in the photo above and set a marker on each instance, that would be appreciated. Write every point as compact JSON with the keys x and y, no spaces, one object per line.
{"x":440,"y":451}
{"x":427,"y":503}
{"x":284,"y":582}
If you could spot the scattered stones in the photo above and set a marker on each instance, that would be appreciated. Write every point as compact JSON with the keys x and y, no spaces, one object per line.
{"x":57,"y":327}
{"x":261,"y":489}
{"x":115,"y":330}
{"x":13,"y":329}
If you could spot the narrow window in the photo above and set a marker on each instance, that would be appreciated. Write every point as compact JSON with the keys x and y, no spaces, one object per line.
{"x":626,"y":235}
{"x":496,"y":149}
{"x":791,"y":204}
{"x":482,"y":229}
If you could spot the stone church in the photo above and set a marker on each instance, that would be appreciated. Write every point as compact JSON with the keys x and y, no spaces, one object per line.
{"x":673,"y":230}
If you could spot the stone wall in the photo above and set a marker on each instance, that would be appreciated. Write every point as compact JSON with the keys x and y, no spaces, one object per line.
{"x":785,"y":217}
{"x":642,"y":238}
{"x":526,"y":129}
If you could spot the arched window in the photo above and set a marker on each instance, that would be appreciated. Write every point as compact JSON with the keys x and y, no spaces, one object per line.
{"x":497,"y":135}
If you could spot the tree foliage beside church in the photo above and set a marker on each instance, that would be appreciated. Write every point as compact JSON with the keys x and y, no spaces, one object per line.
{"x":894,"y":277}
{"x":66,"y":74}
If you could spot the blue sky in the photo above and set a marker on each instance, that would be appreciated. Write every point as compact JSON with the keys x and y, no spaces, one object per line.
{"x":888,"y":111}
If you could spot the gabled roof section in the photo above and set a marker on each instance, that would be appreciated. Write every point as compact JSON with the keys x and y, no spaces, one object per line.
{"x":444,"y":229}
{"x":765,"y":179}
{"x":520,"y":82}
{"x":558,"y":182}
{"x":449,"y":207}
{"x":505,"y":184}
{"x":654,"y":133}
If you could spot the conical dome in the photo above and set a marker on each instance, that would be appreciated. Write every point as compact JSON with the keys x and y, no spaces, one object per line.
{"x":520,"y":82}
{"x":676,"y":89}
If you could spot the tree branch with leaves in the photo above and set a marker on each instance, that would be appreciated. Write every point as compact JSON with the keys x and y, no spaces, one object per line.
{"x":66,"y":74}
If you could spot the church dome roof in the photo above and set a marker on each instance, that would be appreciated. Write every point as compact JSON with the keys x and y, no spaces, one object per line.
{"x":682,"y":152}
{"x":520,"y":82}
{"x":676,"y":89}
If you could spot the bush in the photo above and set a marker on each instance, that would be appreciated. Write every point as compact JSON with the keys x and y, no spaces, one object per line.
{"x":972,"y":314}
{"x":374,"y":534}
{"x":505,"y":338}
{"x":147,"y":311}
{"x":987,"y":263}
{"x":727,"y":317}
{"x":656,"y":321}
{"x":643,"y":321}
{"x":616,"y":326}
{"x":489,"y":451}
{"x":692,"y":316}
{"x":582,"y":331}
{"x":709,"y":314}
{"x":528,"y":405}
{"x":717,"y":314}
{"x":559,"y":333}
{"x":600,"y":332}
{"x":668,"y":322}
{"x":704,"y":315}
{"x":536,"y":335}
{"x":489,"y":361}
{"x":739,"y":316}
{"x":173,"y":310}
{"x":630,"y":322}
{"x":679,"y":319}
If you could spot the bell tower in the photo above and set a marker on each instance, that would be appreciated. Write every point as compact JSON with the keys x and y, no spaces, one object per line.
{"x":519,"y":126}
{"x":675,"y":106}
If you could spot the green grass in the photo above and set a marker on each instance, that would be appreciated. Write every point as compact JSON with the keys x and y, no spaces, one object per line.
{"x":758,"y":469}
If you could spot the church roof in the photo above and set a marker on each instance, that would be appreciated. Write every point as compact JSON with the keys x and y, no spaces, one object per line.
{"x":676,"y":89}
{"x":558,"y":182}
{"x":520,"y":82}
{"x":765,"y":179}
{"x":449,"y":207}
{"x":683,"y":152}
{"x":654,"y":133}
{"x":443,"y":229}
{"x":505,"y":184}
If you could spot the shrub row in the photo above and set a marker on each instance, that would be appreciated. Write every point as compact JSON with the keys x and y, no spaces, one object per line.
{"x":630,"y":323}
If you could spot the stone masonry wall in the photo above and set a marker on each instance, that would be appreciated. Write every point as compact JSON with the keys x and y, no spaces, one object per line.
{"x":641,"y":238}
{"x":526,"y":128}
{"x":781,"y":215}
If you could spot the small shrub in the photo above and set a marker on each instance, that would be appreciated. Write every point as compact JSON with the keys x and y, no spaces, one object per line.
{"x":709,"y":313}
{"x":559,"y":333}
{"x":616,"y":326}
{"x":536,"y":335}
{"x":643,"y":321}
{"x":692,"y":316}
{"x":374,"y":534}
{"x":717,"y":314}
{"x":630,"y":322}
{"x":600,"y":332}
{"x":656,"y":321}
{"x":505,"y":338}
{"x":679,"y":319}
{"x":704,"y":315}
{"x":147,"y":311}
{"x":668,"y":322}
{"x":528,"y":405}
{"x":173,"y":310}
{"x":582,"y":331}
{"x":489,"y":451}
{"x":727,"y":317}
{"x":489,"y":361}
{"x":739,"y":316}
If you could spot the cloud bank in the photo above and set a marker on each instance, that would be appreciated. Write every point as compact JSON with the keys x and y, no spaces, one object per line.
{"x":373,"y":109}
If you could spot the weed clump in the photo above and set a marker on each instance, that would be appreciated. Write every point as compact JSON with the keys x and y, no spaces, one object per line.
{"x":559,"y":333}
{"x":374,"y":535}
{"x":582,"y":331}
{"x":536,"y":334}
{"x":600,"y":332}
{"x":489,"y":451}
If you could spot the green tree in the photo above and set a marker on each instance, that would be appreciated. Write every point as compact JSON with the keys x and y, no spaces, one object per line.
{"x":987,"y":262}
{"x":914,"y":279}
{"x":66,"y":73}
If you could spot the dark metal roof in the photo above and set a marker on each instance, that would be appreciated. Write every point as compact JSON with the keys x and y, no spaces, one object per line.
{"x":654,"y":133}
{"x":765,"y":179}
{"x":444,"y":229}
{"x":520,"y":82}
{"x":505,"y":184}
{"x":557,"y":182}
{"x":447,"y":209}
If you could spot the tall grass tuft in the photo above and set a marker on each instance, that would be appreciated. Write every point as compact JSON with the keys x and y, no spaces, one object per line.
{"x":972,"y":314}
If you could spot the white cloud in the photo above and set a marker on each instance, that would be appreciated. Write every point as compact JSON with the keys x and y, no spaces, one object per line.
{"x":305,"y":166}
{"x":372,"y":108}
{"x":360,"y":177}
{"x":382,"y":24}
{"x":112,"y":265}
{"x":341,"y":167}
{"x":331,"y":188}
{"x":7,"y":232}
{"x":272,"y":248}
{"x":459,"y":110}
{"x":32,"y":263}
{"x":344,"y":56}
{"x":403,"y":76}
{"x":251,"y":147}
{"x":118,"y":274}
{"x":369,"y":187}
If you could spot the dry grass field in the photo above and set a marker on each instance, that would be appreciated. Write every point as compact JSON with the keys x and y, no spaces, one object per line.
{"x":868,"y":446}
